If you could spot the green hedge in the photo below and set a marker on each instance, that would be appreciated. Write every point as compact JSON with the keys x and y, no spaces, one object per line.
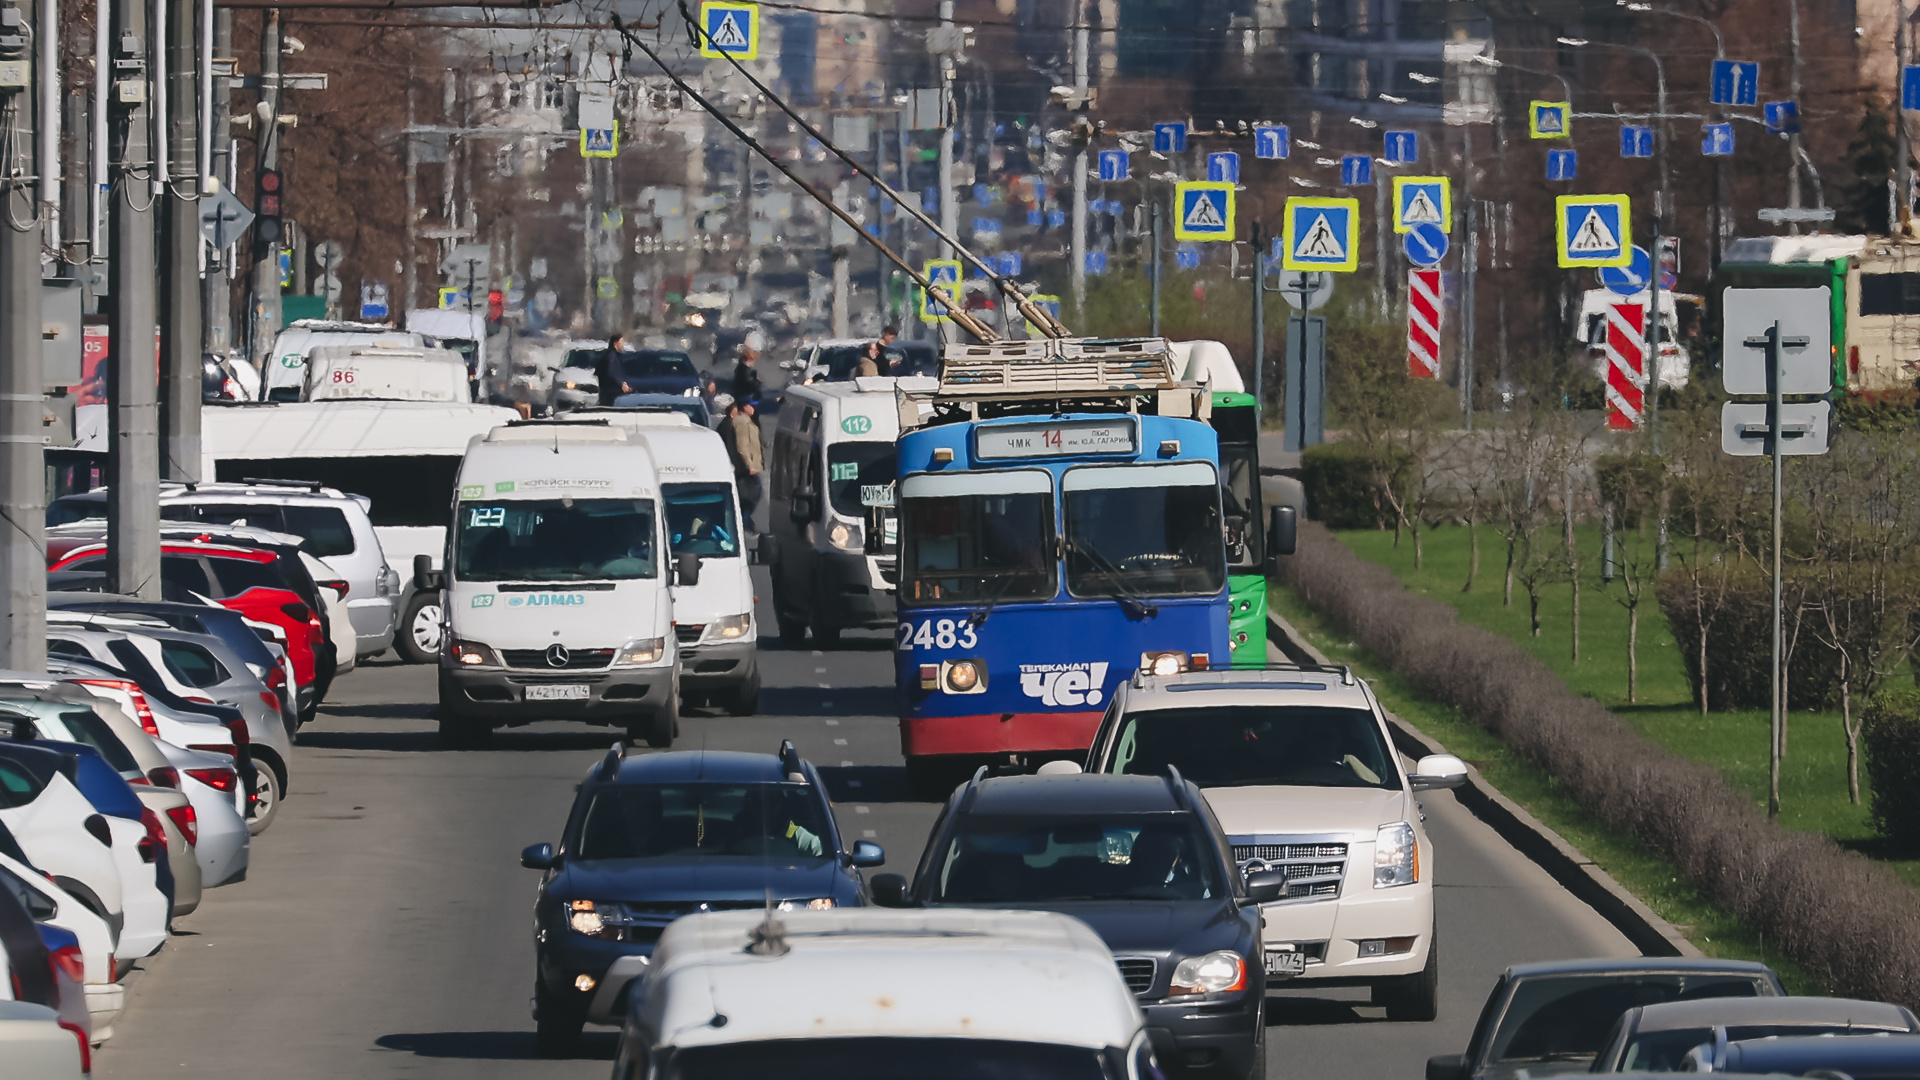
{"x":1890,"y":737}
{"x":1341,"y":484}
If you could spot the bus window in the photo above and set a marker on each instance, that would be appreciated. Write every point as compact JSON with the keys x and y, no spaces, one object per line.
{"x":1143,"y":530}
{"x":1889,"y":294}
{"x":977,"y":536}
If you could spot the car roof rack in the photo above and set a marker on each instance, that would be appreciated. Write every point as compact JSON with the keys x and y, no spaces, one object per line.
{"x":557,"y":421}
{"x":1177,"y":785}
{"x":790,"y":761}
{"x":973,"y":788}
{"x":610,"y":765}
{"x":263,"y":481}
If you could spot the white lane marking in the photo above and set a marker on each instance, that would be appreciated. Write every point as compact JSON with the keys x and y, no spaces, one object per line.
{"x":819,"y":671}
{"x":839,"y":742}
{"x":862,"y":810}
{"x":817,"y":652}
{"x":848,"y":765}
{"x":833,"y":723}
{"x":868,"y":833}
{"x":826,"y":686}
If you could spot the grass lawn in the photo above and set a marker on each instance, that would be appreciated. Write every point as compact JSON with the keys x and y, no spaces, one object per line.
{"x":1813,"y":780}
{"x":1656,"y":882}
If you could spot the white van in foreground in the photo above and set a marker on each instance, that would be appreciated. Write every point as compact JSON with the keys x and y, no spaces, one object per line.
{"x":556,"y":585}
{"x":713,"y":619}
{"x":872,"y":992}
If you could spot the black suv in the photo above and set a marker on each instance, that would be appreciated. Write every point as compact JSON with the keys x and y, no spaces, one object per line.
{"x":1142,"y":861}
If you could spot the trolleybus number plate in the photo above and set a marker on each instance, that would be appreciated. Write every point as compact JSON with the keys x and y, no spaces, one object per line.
{"x":1054,"y":440}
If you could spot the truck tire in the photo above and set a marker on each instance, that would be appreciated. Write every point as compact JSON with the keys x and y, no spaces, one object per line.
{"x":417,"y":639}
{"x":1413,"y":998}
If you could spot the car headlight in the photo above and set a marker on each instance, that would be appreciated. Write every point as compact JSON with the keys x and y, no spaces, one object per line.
{"x":691,"y":391}
{"x":598,"y":918}
{"x":731,"y":627}
{"x":1214,"y":973}
{"x":1396,"y":856}
{"x":963,"y":676}
{"x":571,"y":386}
{"x":822,"y":903}
{"x":640,"y":651}
{"x":847,"y":536}
{"x":473,"y":654}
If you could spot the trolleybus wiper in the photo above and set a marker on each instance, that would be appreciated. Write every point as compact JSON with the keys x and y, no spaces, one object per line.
{"x":1135,"y":605}
{"x":966,"y":320}
{"x":979,"y":618}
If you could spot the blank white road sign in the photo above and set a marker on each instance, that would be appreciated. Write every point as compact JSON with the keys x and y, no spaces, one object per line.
{"x":1806,"y":365}
{"x":1804,"y":427}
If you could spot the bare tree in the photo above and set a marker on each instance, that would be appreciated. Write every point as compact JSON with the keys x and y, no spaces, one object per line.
{"x":1634,"y":489}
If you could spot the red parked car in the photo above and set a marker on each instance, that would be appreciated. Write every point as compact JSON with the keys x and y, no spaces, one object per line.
{"x":240,"y":579}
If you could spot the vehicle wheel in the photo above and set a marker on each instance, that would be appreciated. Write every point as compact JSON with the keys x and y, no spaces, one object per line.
{"x":827,"y":637}
{"x":745,"y":698}
{"x":418,"y":641}
{"x":266,"y":798}
{"x":1413,"y":998}
{"x":657,"y":729}
{"x":557,"y":1027}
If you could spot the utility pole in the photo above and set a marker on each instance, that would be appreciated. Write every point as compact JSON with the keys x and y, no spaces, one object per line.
{"x":949,"y":212}
{"x":23,"y":555}
{"x":1153,"y":270}
{"x":1903,"y":178}
{"x":217,"y":326}
{"x":180,"y":326}
{"x":1079,"y":254}
{"x":1469,"y":269}
{"x":49,"y":88}
{"x":410,"y":270}
{"x":266,"y":255}
{"x":133,"y":462}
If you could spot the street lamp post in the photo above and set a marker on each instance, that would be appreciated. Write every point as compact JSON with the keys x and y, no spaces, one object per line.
{"x":1719,"y":164}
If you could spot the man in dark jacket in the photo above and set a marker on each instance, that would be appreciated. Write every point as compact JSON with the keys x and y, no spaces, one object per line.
{"x":607,"y":370}
{"x":746,"y":380}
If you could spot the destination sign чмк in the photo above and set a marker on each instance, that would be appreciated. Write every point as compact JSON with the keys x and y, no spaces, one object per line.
{"x":1054,"y":440}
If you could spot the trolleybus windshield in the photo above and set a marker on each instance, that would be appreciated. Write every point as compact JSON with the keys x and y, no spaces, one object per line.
{"x":1143,"y":530}
{"x":978,"y":536}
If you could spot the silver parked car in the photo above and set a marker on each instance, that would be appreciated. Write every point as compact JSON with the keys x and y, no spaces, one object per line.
{"x":1658,"y":1038}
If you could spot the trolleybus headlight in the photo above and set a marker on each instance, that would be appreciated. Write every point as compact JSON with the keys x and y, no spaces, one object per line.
{"x":963,"y":676}
{"x":847,"y":535}
{"x":472,"y":653}
{"x":1163,"y":663}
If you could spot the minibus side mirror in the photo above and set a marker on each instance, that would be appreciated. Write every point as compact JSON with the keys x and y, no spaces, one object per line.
{"x":1283,"y":531}
{"x":802,"y":507}
{"x":425,"y":577}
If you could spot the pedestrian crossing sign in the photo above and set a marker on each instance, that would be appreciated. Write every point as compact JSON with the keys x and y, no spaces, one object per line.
{"x":1205,"y":210}
{"x":946,"y":274}
{"x":1321,"y":234}
{"x":1593,"y":230}
{"x":600,"y":142}
{"x":1422,"y":200}
{"x":1550,"y":120}
{"x":731,"y":30}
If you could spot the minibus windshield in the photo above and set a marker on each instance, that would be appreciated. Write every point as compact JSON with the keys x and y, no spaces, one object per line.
{"x":555,"y":540}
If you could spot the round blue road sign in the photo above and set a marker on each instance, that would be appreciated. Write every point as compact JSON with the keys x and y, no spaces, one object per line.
{"x":1629,"y":279}
{"x":1425,"y":244}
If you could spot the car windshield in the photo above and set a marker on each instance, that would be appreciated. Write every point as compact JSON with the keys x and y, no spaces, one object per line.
{"x":889,"y":1059}
{"x":75,"y":508}
{"x":911,"y":358}
{"x":994,"y":860}
{"x":652,"y":821}
{"x":977,"y":536}
{"x":1245,"y":745}
{"x":1666,"y":1051}
{"x":324,"y":528}
{"x":1567,"y":1017}
{"x":556,"y":540}
{"x":650,"y":364}
{"x":700,"y":519}
{"x":1144,"y":530}
{"x":859,"y":475}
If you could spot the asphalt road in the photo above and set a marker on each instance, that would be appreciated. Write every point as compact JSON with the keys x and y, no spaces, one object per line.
{"x":385,"y":929}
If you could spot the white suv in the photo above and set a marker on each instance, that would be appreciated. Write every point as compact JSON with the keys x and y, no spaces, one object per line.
{"x":1299,"y":766}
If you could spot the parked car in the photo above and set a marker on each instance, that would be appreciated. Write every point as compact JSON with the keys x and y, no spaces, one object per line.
{"x":1857,"y":1057}
{"x":1553,"y":1017}
{"x":48,"y":903}
{"x":1300,"y":767}
{"x":885,"y":993}
{"x":1142,"y":860}
{"x":653,"y":837}
{"x":1658,"y":1038}
{"x":37,"y":1046}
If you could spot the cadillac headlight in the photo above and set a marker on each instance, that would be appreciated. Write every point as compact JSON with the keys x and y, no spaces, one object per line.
{"x":640,"y":651}
{"x":1214,"y":973}
{"x":473,"y":654}
{"x":731,"y":628}
{"x":847,"y":536}
{"x":1396,"y":856}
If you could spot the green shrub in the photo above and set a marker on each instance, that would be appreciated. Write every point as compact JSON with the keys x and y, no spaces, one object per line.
{"x":1878,"y":410}
{"x":1890,"y":733}
{"x":1739,"y":612}
{"x":1341,"y":487}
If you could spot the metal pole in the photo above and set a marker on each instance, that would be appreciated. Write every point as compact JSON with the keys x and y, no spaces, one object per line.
{"x":133,"y":464}
{"x":180,"y":328}
{"x":1903,"y":173}
{"x":1259,"y":319}
{"x":217,"y":328}
{"x":1793,"y":140}
{"x":204,"y":164}
{"x":50,"y":91}
{"x":97,"y":209}
{"x":1469,"y":270}
{"x":842,"y":290}
{"x":949,"y":212}
{"x":1661,"y":208}
{"x":1153,"y":271}
{"x":410,"y":268}
{"x":266,"y":266}
{"x":1078,"y":256}
{"x":1774,"y":398}
{"x":23,"y":554}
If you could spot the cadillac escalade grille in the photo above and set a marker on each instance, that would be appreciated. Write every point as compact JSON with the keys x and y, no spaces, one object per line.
{"x":1138,"y":972}
{"x":1311,"y":872}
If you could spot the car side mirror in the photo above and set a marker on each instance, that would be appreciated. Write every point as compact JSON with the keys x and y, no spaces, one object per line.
{"x":1283,"y":530}
{"x":802,"y":509}
{"x":686,"y":569}
{"x":889,"y":890}
{"x":1266,"y":886}
{"x":1437,"y":771}
{"x":425,"y":577}
{"x":537,"y":856}
{"x":867,"y":853}
{"x":1447,"y":1067}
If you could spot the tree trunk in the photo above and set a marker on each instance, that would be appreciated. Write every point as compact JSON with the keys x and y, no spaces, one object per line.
{"x":1853,"y":733}
{"x":1473,"y":545}
{"x":1633,"y":651}
{"x":1573,"y":564}
{"x":1703,"y":667}
{"x":1506,"y":594}
{"x":1419,"y":549}
{"x":1533,"y":608}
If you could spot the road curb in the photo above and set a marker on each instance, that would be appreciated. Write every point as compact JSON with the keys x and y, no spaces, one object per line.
{"x":1566,"y":864}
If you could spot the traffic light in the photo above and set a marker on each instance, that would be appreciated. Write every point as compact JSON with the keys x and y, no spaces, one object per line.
{"x":496,"y":305}
{"x":269,"y":191}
